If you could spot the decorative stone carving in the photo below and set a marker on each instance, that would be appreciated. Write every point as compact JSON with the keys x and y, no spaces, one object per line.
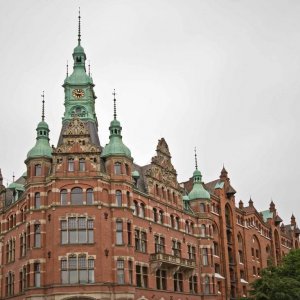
{"x":76,"y":127}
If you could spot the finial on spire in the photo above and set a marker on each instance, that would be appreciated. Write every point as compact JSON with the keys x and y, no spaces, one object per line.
{"x":67,"y":68}
{"x":13,"y":177}
{"x":89,"y":68}
{"x":79,"y":27}
{"x":43,"y":106}
{"x":115,"y":106}
{"x":196,"y":161}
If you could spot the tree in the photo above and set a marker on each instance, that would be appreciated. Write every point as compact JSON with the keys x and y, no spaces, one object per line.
{"x":281,"y":282}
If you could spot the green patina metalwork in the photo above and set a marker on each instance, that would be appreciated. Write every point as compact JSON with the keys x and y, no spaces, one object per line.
{"x":42,"y":147}
{"x":198,"y":191}
{"x":266,"y":214}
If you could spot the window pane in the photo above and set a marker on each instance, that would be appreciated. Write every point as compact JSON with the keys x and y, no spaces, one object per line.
{"x":73,"y":276}
{"x":83,"y":276}
{"x":82,"y":236}
{"x":89,"y":196}
{"x":72,"y":223}
{"x":91,"y":276}
{"x":76,"y":196}
{"x":90,"y":236}
{"x":81,"y":223}
{"x":72,"y":236}
{"x":64,"y":277}
{"x":63,"y":197}
{"x":64,"y":237}
{"x":119,"y":238}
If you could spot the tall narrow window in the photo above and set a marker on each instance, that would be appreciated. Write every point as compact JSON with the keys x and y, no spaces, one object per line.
{"x":71,"y":165}
{"x":38,"y":170}
{"x":127,"y":169}
{"x":37,"y":235}
{"x":89,"y":196}
{"x":140,"y":241}
{"x":37,"y":200}
{"x":129,"y":233}
{"x":81,"y":164}
{"x":141,"y":276}
{"x":206,"y":285}
{"x":155,"y":215}
{"x":160,"y":217}
{"x":159,"y":244}
{"x":63,"y":197}
{"x":203,"y":230}
{"x":176,"y":248}
{"x":130,"y":271}
{"x":136,"y":208}
{"x":119,"y":233}
{"x":120,"y":272}
{"x":117,"y":168}
{"x":191,"y":252}
{"x":204,"y":256}
{"x":178,"y":282}
{"x":76,"y":196}
{"x":161,"y":279}
{"x":37,"y":274}
{"x":193,"y":284}
{"x":119,"y":198}
{"x":142,"y":210}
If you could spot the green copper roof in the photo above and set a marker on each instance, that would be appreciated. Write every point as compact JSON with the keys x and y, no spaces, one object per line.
{"x":16,"y":186}
{"x":198,"y":191}
{"x":267,"y":215}
{"x":185,"y":198}
{"x":115,"y":145}
{"x":219,"y":185}
{"x":42,"y":147}
{"x":135,"y":174}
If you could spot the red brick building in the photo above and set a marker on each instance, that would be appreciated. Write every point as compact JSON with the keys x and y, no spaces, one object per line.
{"x":85,"y":222}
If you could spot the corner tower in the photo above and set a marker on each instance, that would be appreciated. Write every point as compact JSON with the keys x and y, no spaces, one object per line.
{"x":79,"y":94}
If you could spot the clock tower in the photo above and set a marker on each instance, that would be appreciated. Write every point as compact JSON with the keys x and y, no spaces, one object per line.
{"x":79,"y":94}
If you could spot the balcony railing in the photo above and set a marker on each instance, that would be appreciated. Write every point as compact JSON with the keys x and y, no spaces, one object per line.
{"x":170,"y":260}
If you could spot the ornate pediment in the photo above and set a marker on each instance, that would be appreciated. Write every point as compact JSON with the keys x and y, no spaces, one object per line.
{"x":161,"y":168}
{"x":76,"y":127}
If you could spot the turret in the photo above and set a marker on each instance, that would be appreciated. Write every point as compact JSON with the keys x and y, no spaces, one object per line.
{"x":39,"y":157}
{"x":117,"y":155}
{"x":199,"y":197}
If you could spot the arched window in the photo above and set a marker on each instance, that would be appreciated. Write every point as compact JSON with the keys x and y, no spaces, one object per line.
{"x":117,"y":168}
{"x":37,"y":235}
{"x":119,"y":198}
{"x":192,"y":228}
{"x":119,"y":232}
{"x":228,"y":215}
{"x":38,"y":170}
{"x":203,"y":230}
{"x":202,"y":207}
{"x":71,"y":165}
{"x":37,"y":200}
{"x":193,"y":284}
{"x":89,"y":196}
{"x":187,"y":227}
{"x":176,"y":223}
{"x":82,"y":164}
{"x":76,"y":196}
{"x":172,"y":221}
{"x":63,"y":197}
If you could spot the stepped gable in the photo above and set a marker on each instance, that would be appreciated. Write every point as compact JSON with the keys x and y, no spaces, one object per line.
{"x":161,"y":168}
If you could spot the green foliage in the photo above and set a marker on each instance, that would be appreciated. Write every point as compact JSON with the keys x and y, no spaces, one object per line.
{"x":279,"y":283}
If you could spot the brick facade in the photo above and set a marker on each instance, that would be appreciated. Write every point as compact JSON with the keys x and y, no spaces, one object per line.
{"x":79,"y":226}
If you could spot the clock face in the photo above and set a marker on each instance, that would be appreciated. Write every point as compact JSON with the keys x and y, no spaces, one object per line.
{"x":78,"y":93}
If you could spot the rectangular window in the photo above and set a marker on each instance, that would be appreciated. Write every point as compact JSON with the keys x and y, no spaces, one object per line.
{"x":77,"y":231}
{"x":119,"y":233}
{"x":161,"y":279}
{"x":205,"y":256}
{"x":129,"y":233}
{"x":141,"y":276}
{"x":71,"y":165}
{"x":178,"y":282}
{"x":140,"y":241}
{"x":81,"y":164}
{"x":159,"y":244}
{"x":37,"y":235}
{"x":37,"y":275}
{"x":130,"y":271}
{"x":176,"y":248}
{"x":191,"y":252}
{"x":120,"y":272}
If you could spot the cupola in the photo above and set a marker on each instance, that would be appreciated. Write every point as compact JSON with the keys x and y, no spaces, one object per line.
{"x":198,"y":191}
{"x":42,"y":147}
{"x":115,"y":147}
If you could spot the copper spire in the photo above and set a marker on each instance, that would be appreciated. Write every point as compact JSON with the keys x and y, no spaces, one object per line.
{"x":79,"y":27}
{"x":196,"y":161}
{"x":43,"y":106}
{"x":115,"y":106}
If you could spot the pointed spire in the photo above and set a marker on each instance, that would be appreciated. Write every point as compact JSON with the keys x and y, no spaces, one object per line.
{"x":1,"y":178}
{"x":241,"y":204}
{"x":196,"y":160}
{"x":293,"y":220}
{"x":272,"y":206}
{"x":250,"y":202}
{"x":115,"y":106}
{"x":224,"y":173}
{"x":43,"y":106}
{"x":79,"y":27}
{"x":89,"y":68}
{"x":67,"y":68}
{"x":13,"y":177}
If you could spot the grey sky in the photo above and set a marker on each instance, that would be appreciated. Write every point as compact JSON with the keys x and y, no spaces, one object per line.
{"x":219,"y":75}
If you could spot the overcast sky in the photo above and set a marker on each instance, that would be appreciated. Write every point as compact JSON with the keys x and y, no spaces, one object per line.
{"x":223,"y":76}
